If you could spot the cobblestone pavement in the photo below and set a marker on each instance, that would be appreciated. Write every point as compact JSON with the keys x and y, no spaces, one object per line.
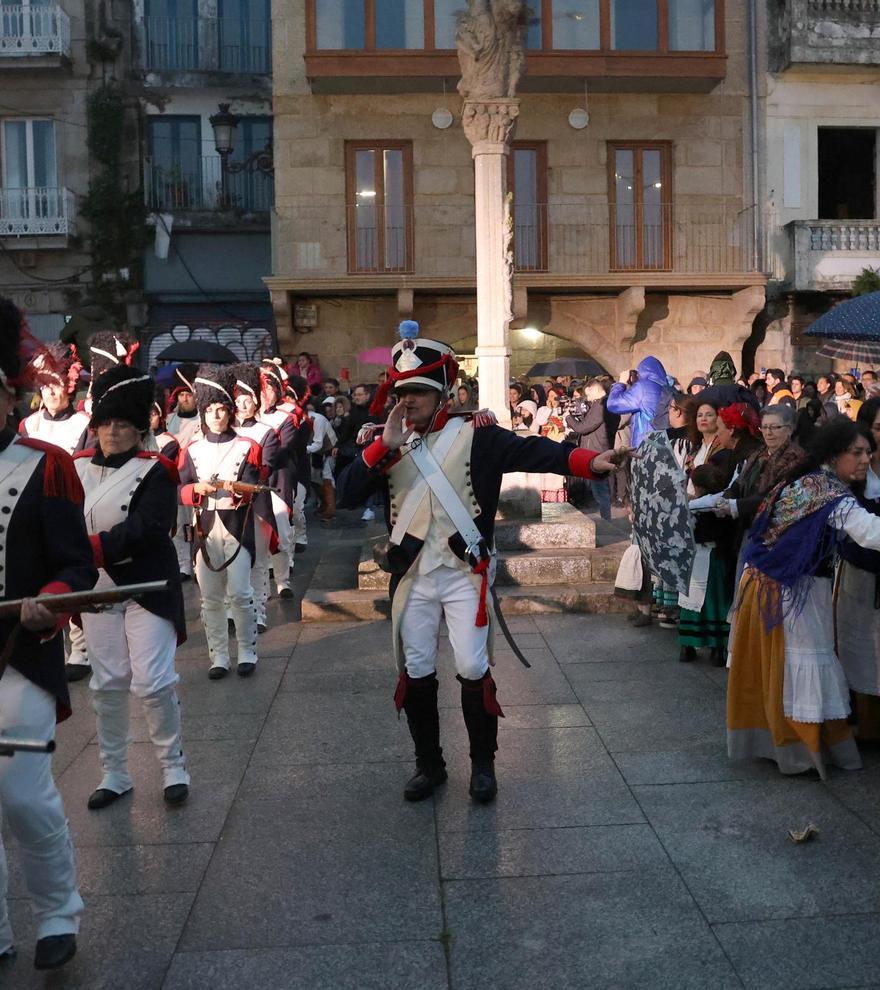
{"x":624,"y":849}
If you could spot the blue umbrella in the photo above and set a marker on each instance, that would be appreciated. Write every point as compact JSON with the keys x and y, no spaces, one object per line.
{"x":855,"y":319}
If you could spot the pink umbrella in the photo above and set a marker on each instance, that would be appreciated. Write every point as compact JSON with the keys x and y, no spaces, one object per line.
{"x":376,"y":355}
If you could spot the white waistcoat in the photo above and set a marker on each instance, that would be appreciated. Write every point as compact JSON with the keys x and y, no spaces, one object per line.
{"x":224,"y":460}
{"x":63,"y":433}
{"x":17,"y":464}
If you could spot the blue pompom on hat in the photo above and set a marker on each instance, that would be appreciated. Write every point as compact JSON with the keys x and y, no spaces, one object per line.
{"x":409,"y":330}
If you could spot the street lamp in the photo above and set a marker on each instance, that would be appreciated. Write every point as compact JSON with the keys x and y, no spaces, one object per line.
{"x":224,"y":124}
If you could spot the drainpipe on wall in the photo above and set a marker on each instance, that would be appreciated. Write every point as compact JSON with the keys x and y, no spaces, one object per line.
{"x":757,"y":213}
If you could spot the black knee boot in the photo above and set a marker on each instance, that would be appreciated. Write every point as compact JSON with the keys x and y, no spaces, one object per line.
{"x":481,"y":710}
{"x":418,"y":698}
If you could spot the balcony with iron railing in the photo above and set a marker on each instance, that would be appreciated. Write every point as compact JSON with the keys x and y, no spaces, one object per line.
{"x":29,"y":34}
{"x":36,"y":211}
{"x":561,"y":242}
{"x":824,"y":33}
{"x":199,"y":189}
{"x":203,"y":44}
{"x":826,"y":255}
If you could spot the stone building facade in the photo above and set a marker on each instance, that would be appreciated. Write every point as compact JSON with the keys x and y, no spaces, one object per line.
{"x":822,"y":154}
{"x":633,"y":234}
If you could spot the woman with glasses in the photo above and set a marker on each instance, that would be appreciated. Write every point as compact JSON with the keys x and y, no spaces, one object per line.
{"x":788,"y":698}
{"x":857,"y":604}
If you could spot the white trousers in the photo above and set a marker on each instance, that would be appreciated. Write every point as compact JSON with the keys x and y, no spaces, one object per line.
{"x":445,"y":591}
{"x":184,"y":549}
{"x":300,"y":534}
{"x":232,"y":585}
{"x":131,"y":649}
{"x":282,"y":561}
{"x":259,"y":572}
{"x":32,"y":806}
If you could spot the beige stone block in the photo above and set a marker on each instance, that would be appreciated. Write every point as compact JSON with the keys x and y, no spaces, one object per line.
{"x":436,"y":181}
{"x":703,"y":153}
{"x":703,"y":181}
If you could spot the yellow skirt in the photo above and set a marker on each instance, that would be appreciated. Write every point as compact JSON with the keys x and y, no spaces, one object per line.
{"x":757,"y":727}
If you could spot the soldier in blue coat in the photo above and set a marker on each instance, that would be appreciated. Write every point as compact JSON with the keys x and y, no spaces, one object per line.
{"x":44,"y":549}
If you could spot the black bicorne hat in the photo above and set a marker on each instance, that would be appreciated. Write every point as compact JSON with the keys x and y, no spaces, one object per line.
{"x":122,"y":393}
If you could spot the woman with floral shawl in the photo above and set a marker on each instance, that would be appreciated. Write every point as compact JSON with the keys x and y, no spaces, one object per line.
{"x":787,"y":698}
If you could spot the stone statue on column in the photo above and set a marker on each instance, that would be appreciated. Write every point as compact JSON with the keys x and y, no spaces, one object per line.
{"x":491,"y":53}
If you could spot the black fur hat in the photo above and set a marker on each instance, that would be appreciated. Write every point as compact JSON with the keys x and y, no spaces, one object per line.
{"x":214,"y":384}
{"x":107,"y":348}
{"x":272,"y":374}
{"x":122,"y":393}
{"x":183,"y":377}
{"x":246,"y":379}
{"x":10,"y":341}
{"x":298,"y":387}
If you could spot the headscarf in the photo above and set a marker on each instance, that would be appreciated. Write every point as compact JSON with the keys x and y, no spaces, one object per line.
{"x":741,"y":416}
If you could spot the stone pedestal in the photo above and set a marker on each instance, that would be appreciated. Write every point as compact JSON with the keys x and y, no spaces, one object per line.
{"x":489,"y":126}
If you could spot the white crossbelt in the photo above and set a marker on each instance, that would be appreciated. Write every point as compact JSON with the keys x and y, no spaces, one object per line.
{"x":419,"y":490}
{"x":447,"y":496}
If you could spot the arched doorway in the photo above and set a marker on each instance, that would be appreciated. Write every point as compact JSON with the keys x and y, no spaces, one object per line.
{"x":528,"y":346}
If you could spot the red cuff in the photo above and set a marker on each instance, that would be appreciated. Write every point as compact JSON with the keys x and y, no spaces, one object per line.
{"x":190,"y":497}
{"x":377,"y":452}
{"x":56,"y":588}
{"x":97,"y":549}
{"x":579,"y":463}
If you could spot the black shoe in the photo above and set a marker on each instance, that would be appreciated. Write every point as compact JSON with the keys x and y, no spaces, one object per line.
{"x":285,"y":593}
{"x":245,"y":669}
{"x":185,"y":577}
{"x":261,"y":628}
{"x":102,"y":798}
{"x":484,"y":786}
{"x":230,"y":626}
{"x":299,"y":548}
{"x":687,"y":654}
{"x":54,"y":951}
{"x":78,"y":672}
{"x":422,"y":783}
{"x":717,"y":657}
{"x":8,"y":955}
{"x":218,"y":673}
{"x":176,"y":793}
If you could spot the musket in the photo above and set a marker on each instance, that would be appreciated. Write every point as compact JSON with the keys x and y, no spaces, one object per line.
{"x":10,"y":745}
{"x":241,"y":487}
{"x":85,"y":601}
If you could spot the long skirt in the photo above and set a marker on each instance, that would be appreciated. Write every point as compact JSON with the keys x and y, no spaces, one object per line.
{"x":787,"y":698}
{"x":708,"y":627}
{"x":858,"y":645}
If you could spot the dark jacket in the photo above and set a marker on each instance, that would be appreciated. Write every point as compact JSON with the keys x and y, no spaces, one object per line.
{"x":590,"y":426}
{"x":45,"y":549}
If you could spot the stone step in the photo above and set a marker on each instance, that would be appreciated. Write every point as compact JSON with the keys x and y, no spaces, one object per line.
{"x":550,"y":599}
{"x":561,"y":526}
{"x":529,"y":567}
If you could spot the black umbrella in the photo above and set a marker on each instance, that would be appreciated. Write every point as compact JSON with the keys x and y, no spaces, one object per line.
{"x":570,"y":367}
{"x":198,"y":351}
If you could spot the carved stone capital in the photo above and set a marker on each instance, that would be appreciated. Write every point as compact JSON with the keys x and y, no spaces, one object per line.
{"x":490,"y":122}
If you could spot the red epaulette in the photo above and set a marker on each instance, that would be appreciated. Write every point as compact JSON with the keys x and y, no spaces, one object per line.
{"x":483,"y":417}
{"x":170,"y":469}
{"x":89,"y":452}
{"x":60,"y":479}
{"x":255,"y":454}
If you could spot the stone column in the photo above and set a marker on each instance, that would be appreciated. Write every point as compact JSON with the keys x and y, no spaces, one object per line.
{"x":489,"y":126}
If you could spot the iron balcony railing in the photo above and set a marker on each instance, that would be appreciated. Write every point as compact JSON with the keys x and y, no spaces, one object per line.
{"x":34,"y":30}
{"x":36,"y":211}
{"x":202,"y":44}
{"x":172,"y":188}
{"x":566,"y":238}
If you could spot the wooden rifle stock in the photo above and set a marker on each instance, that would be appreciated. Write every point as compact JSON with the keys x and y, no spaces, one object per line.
{"x":84,"y":601}
{"x":241,"y":487}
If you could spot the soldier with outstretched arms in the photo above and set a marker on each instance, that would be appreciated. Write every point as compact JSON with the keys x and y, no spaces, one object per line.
{"x":44,"y":548}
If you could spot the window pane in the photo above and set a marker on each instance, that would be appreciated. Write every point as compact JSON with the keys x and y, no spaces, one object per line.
{"x":244,"y":36}
{"x":251,"y":190}
{"x":444,"y":22}
{"x":395,"y":210}
{"x":15,"y":171}
{"x":533,"y":35}
{"x":692,"y":25}
{"x":526,"y":209}
{"x":175,"y":152}
{"x":652,"y":208}
{"x":366,"y":231}
{"x":340,"y":23}
{"x":576,"y":25}
{"x":634,"y":25}
{"x":625,"y":213}
{"x":44,"y":153}
{"x":400,"y":24}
